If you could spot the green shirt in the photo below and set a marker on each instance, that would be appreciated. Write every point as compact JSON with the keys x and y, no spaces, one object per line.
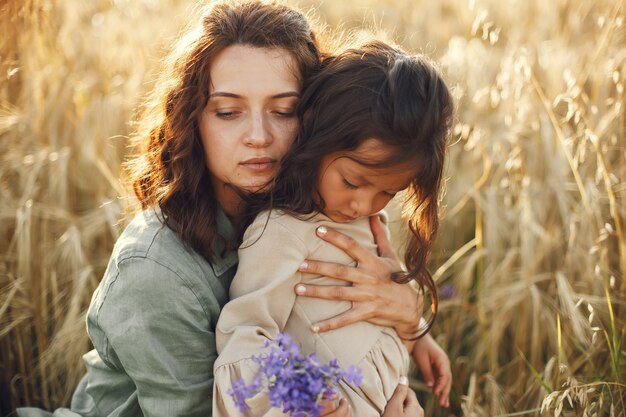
{"x":152,"y":322}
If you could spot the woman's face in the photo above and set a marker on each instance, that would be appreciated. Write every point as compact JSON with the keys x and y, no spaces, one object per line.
{"x":249,"y":121}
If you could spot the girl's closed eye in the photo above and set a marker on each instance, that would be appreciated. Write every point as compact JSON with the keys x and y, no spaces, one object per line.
{"x":349,"y":185}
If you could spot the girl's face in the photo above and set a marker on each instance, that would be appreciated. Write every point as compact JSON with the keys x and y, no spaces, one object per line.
{"x":249,"y":121}
{"x":351,"y":190}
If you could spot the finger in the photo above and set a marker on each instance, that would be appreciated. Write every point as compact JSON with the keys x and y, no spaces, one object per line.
{"x":342,"y":411}
{"x":345,"y":243}
{"x":334,"y":270}
{"x":443,"y":387}
{"x":397,"y":400}
{"x":423,"y":363}
{"x":333,"y":292}
{"x":329,"y":405}
{"x":412,"y":407}
{"x":351,"y":316}
{"x":380,"y":237}
{"x":445,"y":377}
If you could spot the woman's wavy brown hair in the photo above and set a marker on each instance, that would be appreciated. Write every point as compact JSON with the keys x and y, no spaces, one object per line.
{"x":170,"y":171}
{"x":373,"y":91}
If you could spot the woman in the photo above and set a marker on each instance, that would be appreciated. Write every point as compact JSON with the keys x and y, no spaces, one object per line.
{"x":234,"y":79}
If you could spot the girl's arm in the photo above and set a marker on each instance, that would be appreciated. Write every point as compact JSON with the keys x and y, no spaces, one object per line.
{"x":434,"y":366}
{"x":375,"y":297}
{"x":262,"y":300}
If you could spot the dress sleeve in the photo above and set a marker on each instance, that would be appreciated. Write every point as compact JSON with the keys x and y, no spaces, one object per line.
{"x":262,"y":299}
{"x":159,"y":334}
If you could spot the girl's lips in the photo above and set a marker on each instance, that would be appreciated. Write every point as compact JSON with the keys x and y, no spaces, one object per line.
{"x":343,"y":218}
{"x":259,"y":164}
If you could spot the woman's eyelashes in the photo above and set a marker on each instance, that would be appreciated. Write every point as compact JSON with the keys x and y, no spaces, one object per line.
{"x":285,"y":113}
{"x":232,"y":114}
{"x":227,"y":115}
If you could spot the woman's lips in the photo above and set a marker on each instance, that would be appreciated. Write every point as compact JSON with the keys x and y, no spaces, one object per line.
{"x":259,"y":163}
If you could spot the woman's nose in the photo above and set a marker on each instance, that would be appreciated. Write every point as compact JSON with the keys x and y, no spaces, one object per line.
{"x":258,"y":134}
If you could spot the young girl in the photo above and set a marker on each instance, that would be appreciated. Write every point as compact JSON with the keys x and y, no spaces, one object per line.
{"x":374,"y":123}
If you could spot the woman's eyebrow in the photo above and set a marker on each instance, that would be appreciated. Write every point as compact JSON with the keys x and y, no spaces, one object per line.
{"x":233,"y":95}
{"x":287,"y":94}
{"x":224,"y":94}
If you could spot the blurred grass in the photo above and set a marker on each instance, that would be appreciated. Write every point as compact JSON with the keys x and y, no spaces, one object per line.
{"x":531,"y":257}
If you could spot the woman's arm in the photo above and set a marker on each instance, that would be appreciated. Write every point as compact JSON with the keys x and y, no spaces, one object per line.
{"x":375,"y":297}
{"x":147,"y":322}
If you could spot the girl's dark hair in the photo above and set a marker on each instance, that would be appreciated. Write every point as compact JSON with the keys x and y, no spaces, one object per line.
{"x":374,"y":91}
{"x":170,"y":170}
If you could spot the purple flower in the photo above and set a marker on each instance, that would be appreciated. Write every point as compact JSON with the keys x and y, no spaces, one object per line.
{"x":294,"y":383}
{"x":447,"y":292}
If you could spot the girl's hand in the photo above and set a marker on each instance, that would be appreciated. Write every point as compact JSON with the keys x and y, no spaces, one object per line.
{"x":403,"y":403}
{"x":374,"y":296}
{"x":434,"y":366}
{"x":332,"y":408}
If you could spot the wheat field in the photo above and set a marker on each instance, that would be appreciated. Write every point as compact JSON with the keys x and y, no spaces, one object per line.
{"x":531,"y":257}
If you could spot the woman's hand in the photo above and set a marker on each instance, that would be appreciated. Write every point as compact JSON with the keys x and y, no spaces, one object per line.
{"x":403,"y":402}
{"x":374,"y":296}
{"x":434,"y":366}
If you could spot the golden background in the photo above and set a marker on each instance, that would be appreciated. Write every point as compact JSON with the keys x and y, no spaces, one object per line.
{"x":531,"y":256}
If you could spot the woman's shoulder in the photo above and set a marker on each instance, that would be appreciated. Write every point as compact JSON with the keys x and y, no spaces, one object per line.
{"x":148,"y":239}
{"x":150,"y":263}
{"x":147,"y":233}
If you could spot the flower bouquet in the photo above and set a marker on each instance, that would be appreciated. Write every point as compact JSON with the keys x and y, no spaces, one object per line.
{"x":293,"y":382}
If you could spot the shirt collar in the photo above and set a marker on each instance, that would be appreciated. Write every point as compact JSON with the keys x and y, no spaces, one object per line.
{"x":224,"y":260}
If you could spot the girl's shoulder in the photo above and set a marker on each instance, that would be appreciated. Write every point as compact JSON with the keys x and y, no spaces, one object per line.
{"x":277,"y":218}
{"x":271,"y":225}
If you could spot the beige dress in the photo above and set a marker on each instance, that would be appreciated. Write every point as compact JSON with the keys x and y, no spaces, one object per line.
{"x":263,"y":303}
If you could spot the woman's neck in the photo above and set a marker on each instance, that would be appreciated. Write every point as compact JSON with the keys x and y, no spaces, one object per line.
{"x":231,"y":203}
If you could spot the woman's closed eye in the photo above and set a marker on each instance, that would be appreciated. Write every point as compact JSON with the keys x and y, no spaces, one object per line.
{"x":227,"y":114}
{"x":285,"y":112}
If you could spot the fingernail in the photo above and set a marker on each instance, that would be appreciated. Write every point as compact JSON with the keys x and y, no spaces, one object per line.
{"x":403,"y":380}
{"x":303,"y":266}
{"x":430,"y":384}
{"x":315,"y":328}
{"x":322,"y":230}
{"x":300,"y":289}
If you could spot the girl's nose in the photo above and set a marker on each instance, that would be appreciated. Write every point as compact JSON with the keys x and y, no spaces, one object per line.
{"x":361,"y":207}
